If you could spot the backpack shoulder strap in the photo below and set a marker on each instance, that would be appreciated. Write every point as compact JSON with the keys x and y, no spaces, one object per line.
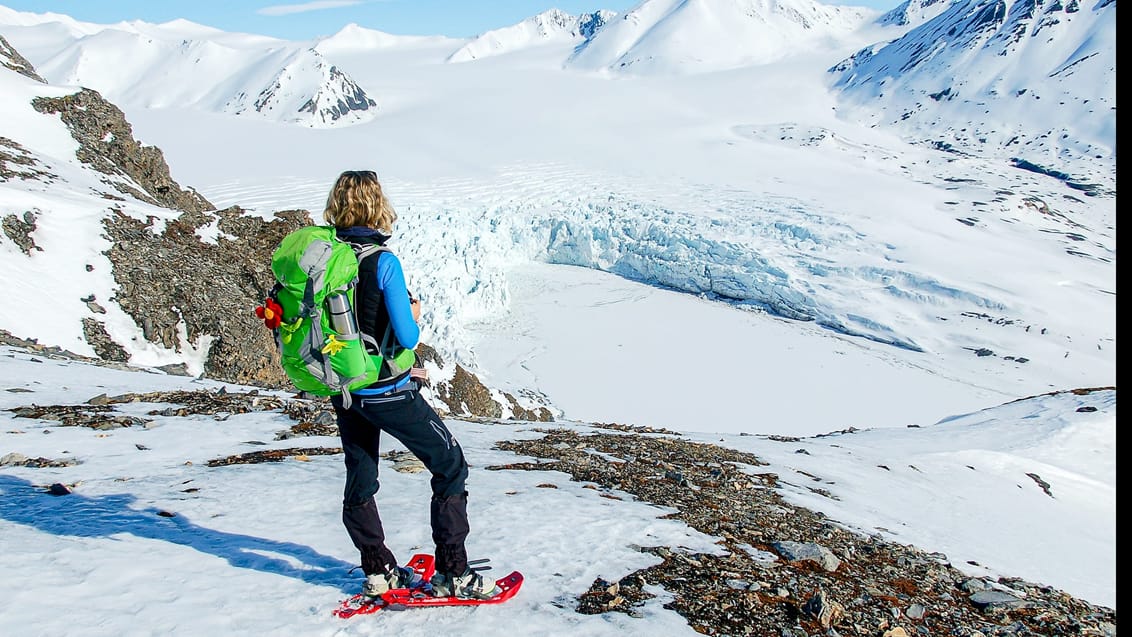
{"x":365,"y":250}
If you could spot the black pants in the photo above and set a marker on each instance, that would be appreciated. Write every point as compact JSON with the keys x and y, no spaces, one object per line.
{"x":408,"y":417}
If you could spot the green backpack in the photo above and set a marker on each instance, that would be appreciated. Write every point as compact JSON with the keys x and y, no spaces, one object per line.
{"x":311,"y":266}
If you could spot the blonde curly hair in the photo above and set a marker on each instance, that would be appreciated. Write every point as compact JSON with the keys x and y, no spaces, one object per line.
{"x":358,"y":200}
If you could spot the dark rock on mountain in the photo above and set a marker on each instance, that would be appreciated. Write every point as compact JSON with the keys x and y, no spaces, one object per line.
{"x":182,"y":290}
{"x":466,"y":394}
{"x":590,"y":23}
{"x":20,"y":230}
{"x":107,"y":144}
{"x":337,"y":97}
{"x":10,"y":58}
{"x":96,"y":336}
{"x":17,"y":162}
{"x":171,"y":281}
{"x":334,"y":98}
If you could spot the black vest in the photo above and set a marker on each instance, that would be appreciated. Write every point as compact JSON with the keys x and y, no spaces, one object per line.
{"x":369,"y":308}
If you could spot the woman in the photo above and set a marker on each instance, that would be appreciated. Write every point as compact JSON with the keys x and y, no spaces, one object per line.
{"x":358,"y":209}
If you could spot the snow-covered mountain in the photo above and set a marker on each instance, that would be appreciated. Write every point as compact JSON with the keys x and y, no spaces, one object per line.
{"x":553,"y":26}
{"x":184,"y":65}
{"x":353,"y":37}
{"x":913,"y":12}
{"x":1035,"y":79}
{"x":307,"y":90}
{"x":686,"y":36}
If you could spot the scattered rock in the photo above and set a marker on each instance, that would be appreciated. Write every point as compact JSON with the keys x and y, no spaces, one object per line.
{"x":997,"y":599}
{"x":802,"y":552}
{"x":405,"y":462}
{"x":107,"y":144}
{"x":18,"y":230}
{"x":20,"y":460}
{"x":802,"y":596}
{"x":273,"y":455}
{"x":11,"y":59}
{"x":13,"y":459}
{"x":175,"y":369}
{"x":829,"y":581}
{"x":826,"y":611}
{"x":466,"y":395}
{"x":1041,"y":483}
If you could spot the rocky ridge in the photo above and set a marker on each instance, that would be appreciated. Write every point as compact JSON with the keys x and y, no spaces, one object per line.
{"x":11,"y":59}
{"x":107,"y":145}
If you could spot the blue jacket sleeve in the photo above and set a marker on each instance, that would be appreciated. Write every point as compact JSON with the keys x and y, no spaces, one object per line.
{"x":391,"y":279}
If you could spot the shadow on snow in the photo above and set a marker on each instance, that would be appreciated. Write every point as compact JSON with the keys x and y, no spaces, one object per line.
{"x":109,"y":515}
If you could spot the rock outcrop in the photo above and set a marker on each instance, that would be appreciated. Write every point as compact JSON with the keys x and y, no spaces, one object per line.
{"x":10,"y":58}
{"x":179,"y":288}
{"x":107,"y":144}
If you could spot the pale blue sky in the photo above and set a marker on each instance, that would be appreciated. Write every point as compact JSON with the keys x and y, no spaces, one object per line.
{"x":303,"y":19}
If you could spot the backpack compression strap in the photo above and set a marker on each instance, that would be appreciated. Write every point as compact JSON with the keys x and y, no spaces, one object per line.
{"x":314,"y":261}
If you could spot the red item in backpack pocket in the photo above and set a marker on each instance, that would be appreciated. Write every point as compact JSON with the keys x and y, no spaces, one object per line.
{"x":271,"y":313}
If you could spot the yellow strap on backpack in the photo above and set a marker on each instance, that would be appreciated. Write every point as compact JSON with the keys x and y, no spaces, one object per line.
{"x":287,"y":330}
{"x":333,"y":345}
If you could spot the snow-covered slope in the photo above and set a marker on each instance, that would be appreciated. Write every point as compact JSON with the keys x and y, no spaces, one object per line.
{"x":1035,"y":79}
{"x":549,"y":27}
{"x":913,"y":12}
{"x":683,"y":36}
{"x":181,"y":64}
{"x":146,"y":497}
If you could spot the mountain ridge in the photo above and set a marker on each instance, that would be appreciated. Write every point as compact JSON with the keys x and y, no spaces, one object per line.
{"x":550,"y":26}
{"x":1020,"y":61}
{"x":183,"y":65}
{"x":968,"y":76}
{"x":687,"y":36}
